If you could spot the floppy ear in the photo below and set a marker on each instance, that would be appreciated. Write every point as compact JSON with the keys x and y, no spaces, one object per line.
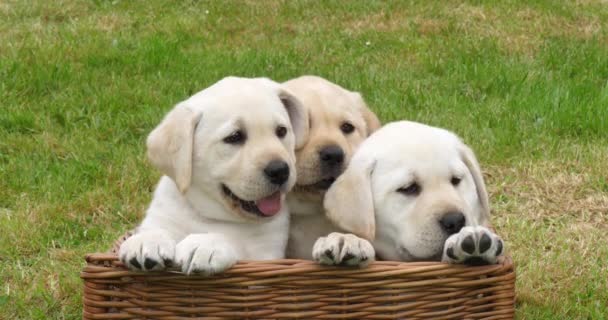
{"x":370,"y":118}
{"x":468,"y":157}
{"x":170,"y":145}
{"x":298,"y":116}
{"x":349,"y":202}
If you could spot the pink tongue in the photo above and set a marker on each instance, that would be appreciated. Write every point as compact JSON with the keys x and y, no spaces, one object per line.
{"x":270,"y":205}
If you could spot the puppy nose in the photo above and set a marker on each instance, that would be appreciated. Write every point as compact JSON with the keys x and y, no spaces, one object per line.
{"x":331,"y":155}
{"x":452,"y":222}
{"x":277,"y":172}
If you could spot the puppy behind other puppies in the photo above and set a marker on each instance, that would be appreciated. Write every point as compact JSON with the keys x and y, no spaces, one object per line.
{"x":339,"y":121}
{"x":228,"y":157}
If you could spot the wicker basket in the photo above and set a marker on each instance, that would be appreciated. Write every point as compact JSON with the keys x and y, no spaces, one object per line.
{"x":298,"y":289}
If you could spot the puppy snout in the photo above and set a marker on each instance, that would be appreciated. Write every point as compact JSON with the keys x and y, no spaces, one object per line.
{"x":452,"y":222}
{"x":277,"y":172}
{"x":331,"y":156}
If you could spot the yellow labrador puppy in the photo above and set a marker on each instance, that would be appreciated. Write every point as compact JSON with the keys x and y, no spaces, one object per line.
{"x":339,"y":121}
{"x":228,"y":158}
{"x":417,"y":192}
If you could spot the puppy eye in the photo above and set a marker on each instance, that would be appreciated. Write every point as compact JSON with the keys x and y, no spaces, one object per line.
{"x":281,"y":131}
{"x":413,"y":189}
{"x":455,"y":181}
{"x":347,"y":127}
{"x":237,"y":137}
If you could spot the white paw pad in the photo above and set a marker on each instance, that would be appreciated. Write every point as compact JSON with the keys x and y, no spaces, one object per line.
{"x":148,"y":251}
{"x":473,"y":246}
{"x":207,"y":254}
{"x":343,"y":249}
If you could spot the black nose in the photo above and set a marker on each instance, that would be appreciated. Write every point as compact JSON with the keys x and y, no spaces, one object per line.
{"x":331,"y":155}
{"x":452,"y":222}
{"x":277,"y":172}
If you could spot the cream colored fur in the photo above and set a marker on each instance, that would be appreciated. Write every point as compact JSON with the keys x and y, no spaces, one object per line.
{"x":329,"y":106}
{"x":191,"y":221}
{"x":368,"y":198}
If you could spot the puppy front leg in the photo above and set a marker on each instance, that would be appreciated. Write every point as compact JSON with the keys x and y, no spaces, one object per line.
{"x":148,"y":250}
{"x":473,"y":246}
{"x":343,"y":249}
{"x":205,"y":253}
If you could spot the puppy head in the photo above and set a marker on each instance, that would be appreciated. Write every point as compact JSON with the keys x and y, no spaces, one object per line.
{"x":339,"y":121}
{"x":232,"y":145}
{"x":414,"y":185}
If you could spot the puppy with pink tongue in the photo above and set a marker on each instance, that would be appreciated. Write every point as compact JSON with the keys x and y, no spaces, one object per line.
{"x":228,"y":159}
{"x":270,"y":205}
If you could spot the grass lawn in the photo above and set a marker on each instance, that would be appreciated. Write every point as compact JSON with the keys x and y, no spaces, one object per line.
{"x":82,"y":83}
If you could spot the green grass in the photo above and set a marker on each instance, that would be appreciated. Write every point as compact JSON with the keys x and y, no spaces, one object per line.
{"x":83,"y":82}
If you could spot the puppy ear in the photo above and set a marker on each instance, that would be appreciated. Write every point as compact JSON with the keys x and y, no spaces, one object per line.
{"x":468,"y":157}
{"x":170,"y":145}
{"x":371,"y":120}
{"x":297,"y":115}
{"x":349,"y":202}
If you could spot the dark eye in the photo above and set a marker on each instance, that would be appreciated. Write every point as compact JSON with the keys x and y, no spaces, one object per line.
{"x":347,"y":127}
{"x":455,"y":181}
{"x":411,"y":190}
{"x":281,"y":131}
{"x":237,"y":137}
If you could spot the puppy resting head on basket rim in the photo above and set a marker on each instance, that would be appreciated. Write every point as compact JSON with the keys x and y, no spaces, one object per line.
{"x":417,"y":193}
{"x":228,"y":158}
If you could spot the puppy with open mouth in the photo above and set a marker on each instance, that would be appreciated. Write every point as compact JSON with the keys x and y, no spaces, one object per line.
{"x":418,"y":194}
{"x":228,"y":157}
{"x":339,"y":120}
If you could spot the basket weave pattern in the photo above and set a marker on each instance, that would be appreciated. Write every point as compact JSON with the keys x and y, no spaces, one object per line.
{"x":298,"y":289}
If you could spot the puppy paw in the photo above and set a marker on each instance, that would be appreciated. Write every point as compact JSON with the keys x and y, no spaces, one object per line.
{"x":343,"y":249}
{"x":148,"y":251}
{"x":473,"y":246}
{"x":207,"y":254}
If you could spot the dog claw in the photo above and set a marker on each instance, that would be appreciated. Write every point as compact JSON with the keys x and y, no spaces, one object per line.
{"x":343,"y":249}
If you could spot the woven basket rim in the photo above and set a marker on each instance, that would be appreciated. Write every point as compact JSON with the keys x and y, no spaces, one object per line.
{"x":288,"y":289}
{"x":105,"y":261}
{"x":111,"y":259}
